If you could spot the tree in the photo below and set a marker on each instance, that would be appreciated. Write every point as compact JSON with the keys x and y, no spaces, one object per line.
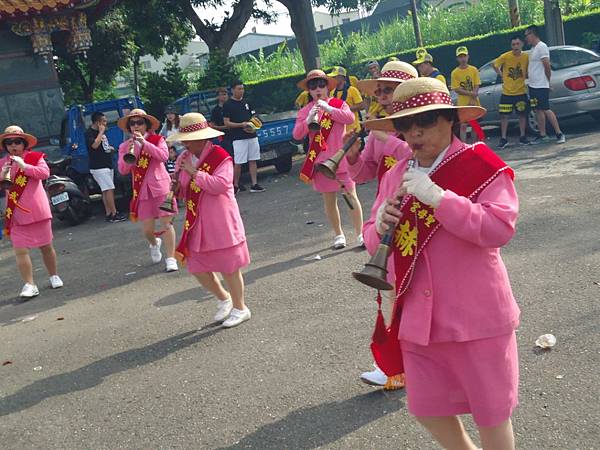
{"x":159,"y":90}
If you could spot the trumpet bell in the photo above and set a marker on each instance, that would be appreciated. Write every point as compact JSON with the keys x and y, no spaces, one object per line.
{"x":129,"y":158}
{"x":5,"y":184}
{"x":374,"y":274}
{"x":314,"y":126}
{"x":330,"y":166}
{"x":167,"y":205}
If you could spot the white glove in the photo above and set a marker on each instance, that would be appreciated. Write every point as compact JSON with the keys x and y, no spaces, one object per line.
{"x":322,"y":104}
{"x":380,"y":225}
{"x":312,"y":114}
{"x":420,"y":185}
{"x":19,"y":161}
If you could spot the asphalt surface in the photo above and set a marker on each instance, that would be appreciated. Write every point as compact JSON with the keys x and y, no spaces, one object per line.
{"x":125,"y":355}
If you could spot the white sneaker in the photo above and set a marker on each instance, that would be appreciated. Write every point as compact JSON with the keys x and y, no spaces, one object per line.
{"x":375,"y":377}
{"x":171,"y":264}
{"x":236,"y":317}
{"x":360,"y":240}
{"x":224,"y":309}
{"x":155,"y":253}
{"x":56,"y":282}
{"x":339,"y":242}
{"x":29,"y":291}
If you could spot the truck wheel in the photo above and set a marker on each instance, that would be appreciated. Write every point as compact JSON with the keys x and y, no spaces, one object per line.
{"x":72,"y":217}
{"x":283,"y":164}
{"x":532,"y":123}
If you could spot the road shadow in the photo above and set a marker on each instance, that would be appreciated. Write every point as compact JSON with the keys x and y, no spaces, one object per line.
{"x":94,"y":374}
{"x":196,"y":294}
{"x":309,"y":428}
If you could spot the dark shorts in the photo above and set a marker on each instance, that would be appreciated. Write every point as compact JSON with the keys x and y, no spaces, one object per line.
{"x":513,"y":103}
{"x":540,"y":98}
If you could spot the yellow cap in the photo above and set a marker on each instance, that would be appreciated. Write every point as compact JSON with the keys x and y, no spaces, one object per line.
{"x":462,"y":50}
{"x":337,"y":71}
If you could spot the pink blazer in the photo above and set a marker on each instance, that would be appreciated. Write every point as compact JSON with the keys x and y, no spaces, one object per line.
{"x":34,"y":196}
{"x":219,"y":224}
{"x":460,"y":289}
{"x":157,"y":181}
{"x":372,"y":157}
{"x":341,"y":117}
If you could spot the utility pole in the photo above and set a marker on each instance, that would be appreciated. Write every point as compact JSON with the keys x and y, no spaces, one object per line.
{"x":416,"y":26}
{"x":555,"y":33}
{"x":515,"y":18}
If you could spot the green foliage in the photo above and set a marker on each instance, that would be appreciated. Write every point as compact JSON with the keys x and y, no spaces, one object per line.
{"x":220,"y":71}
{"x":590,"y":40}
{"x":159,"y":90}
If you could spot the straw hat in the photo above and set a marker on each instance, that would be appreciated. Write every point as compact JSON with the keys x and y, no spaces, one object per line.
{"x":395,"y":71}
{"x":194,"y":127}
{"x":421,"y":95}
{"x":15,"y":131}
{"x":316,"y":73}
{"x":137,"y":112}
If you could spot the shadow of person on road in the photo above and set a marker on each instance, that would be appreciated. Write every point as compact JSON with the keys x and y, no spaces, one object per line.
{"x":309,"y":428}
{"x":196,"y":294}
{"x":93,"y":374}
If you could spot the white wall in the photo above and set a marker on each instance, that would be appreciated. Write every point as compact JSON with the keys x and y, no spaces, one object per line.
{"x":325,"y":20}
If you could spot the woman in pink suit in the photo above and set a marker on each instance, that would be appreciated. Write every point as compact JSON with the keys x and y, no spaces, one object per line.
{"x":151,"y":182}
{"x":213,"y":238}
{"x":452,"y":208}
{"x":28,"y":220}
{"x":330,"y":115}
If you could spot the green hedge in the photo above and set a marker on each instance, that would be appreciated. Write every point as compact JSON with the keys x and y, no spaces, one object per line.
{"x":279,"y":93}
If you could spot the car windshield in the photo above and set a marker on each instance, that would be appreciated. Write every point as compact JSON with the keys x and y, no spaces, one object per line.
{"x":561,"y":58}
{"x":488,"y":75}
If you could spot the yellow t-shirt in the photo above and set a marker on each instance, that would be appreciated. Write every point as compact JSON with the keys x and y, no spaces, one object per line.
{"x":302,"y":99}
{"x":439,"y":76}
{"x":514,"y":72}
{"x":375,"y":109}
{"x":353,"y":98}
{"x":467,"y":79}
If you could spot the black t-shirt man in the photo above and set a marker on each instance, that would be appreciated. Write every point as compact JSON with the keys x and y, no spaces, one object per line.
{"x":216,"y":116}
{"x":99,"y":158}
{"x":238,"y":111}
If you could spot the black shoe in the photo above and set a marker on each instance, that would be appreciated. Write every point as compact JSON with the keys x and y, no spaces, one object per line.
{"x":118,"y":217}
{"x":524,"y":141}
{"x":257,"y":188}
{"x":560,"y":138}
{"x":108,"y":218}
{"x":539,"y":140}
{"x":240,"y":188}
{"x":503,"y":143}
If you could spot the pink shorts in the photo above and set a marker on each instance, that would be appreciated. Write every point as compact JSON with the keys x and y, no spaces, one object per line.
{"x":33,"y":235}
{"x":225,"y":260}
{"x":149,"y":208}
{"x":449,"y":378}
{"x":323,"y":184}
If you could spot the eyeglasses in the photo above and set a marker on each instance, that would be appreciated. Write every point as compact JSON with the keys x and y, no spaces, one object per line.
{"x":14,"y":141}
{"x":315,"y":83}
{"x":386,"y":90}
{"x":137,"y":122}
{"x":424,"y":120}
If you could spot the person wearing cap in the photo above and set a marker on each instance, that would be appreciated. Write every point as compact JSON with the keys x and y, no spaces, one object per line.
{"x":348,"y":93}
{"x":465,"y":81}
{"x":213,"y":238}
{"x":381,"y":152}
{"x":150,"y":181}
{"x":424,"y":64}
{"x":452,"y":207}
{"x":373,"y":69}
{"x":27,"y":218}
{"x":331,"y":115}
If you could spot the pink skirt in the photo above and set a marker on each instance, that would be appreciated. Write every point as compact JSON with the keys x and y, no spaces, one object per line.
{"x":449,"y":378}
{"x":149,"y":208}
{"x":33,"y":235}
{"x":323,"y":184}
{"x":225,"y":260}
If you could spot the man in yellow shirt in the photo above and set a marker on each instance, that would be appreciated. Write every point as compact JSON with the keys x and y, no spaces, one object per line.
{"x":424,"y":64}
{"x":302,"y":100}
{"x":512,"y":67}
{"x":349,"y":94}
{"x":465,"y":82}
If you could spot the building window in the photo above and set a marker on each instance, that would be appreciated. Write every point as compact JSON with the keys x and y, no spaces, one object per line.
{"x":146,"y":65}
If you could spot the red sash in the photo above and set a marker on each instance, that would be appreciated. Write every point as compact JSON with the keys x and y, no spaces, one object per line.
{"x":17,"y":189}
{"x":214,"y":159}
{"x":417,"y":227}
{"x":139,"y":174}
{"x":318,"y":143}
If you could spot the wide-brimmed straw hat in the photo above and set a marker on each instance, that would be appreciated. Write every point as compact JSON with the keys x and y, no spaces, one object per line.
{"x":14,"y":131}
{"x":420,"y":95}
{"x":194,"y":127}
{"x":137,"y":112}
{"x":394,"y":71}
{"x":317,"y":73}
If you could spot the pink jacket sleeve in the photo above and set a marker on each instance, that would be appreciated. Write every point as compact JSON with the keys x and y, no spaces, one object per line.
{"x":39,"y":172}
{"x":343,"y":114}
{"x":179,"y":160}
{"x":159,"y":152}
{"x":365,"y":168}
{"x":488,"y":223}
{"x":219,"y":182}
{"x":124,"y":168}
{"x":301,"y":128}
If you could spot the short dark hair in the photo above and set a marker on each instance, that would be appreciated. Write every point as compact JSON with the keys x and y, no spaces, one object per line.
{"x":222,"y":90}
{"x":96,"y":116}
{"x":514,"y":37}
{"x":534,"y":29}
{"x":236,"y":83}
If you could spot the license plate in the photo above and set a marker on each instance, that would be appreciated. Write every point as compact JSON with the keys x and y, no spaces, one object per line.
{"x":60,"y":198}
{"x":268,"y":155}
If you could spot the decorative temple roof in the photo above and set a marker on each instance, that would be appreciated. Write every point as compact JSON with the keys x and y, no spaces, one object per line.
{"x":18,"y":9}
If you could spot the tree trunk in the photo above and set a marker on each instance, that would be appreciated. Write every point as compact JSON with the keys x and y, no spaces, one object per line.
{"x":303,"y":26}
{"x":87,"y":88}
{"x":555,"y":33}
{"x":416,"y":26}
{"x":136,"y":74}
{"x":515,"y":17}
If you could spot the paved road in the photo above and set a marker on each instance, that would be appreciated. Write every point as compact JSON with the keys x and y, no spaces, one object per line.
{"x":125,"y":355}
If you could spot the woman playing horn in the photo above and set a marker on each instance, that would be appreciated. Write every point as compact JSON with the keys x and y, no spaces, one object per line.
{"x":28,"y":220}
{"x":453,"y":211}
{"x":213,"y":238}
{"x":330,"y":115}
{"x":151,"y":182}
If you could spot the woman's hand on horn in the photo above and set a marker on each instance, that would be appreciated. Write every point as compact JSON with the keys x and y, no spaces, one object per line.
{"x":323,"y":105}
{"x":312,"y":114}
{"x":19,"y":161}
{"x":420,"y":185}
{"x":389,"y":213}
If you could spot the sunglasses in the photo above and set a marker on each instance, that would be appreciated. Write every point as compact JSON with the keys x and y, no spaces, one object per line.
{"x":386,"y":90}
{"x":137,"y":122}
{"x":424,"y":120}
{"x":316,"y":83}
{"x":14,"y":141}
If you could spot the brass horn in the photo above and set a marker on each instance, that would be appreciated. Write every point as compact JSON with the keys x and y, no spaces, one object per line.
{"x":167,"y":205}
{"x":330,"y":166}
{"x":314,"y":124}
{"x":6,"y":181}
{"x":129,"y":157}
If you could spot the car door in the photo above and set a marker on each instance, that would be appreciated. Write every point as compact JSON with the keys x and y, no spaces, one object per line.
{"x":489,"y":93}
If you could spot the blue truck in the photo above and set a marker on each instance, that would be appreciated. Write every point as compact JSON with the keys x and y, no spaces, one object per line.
{"x":277,"y":146}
